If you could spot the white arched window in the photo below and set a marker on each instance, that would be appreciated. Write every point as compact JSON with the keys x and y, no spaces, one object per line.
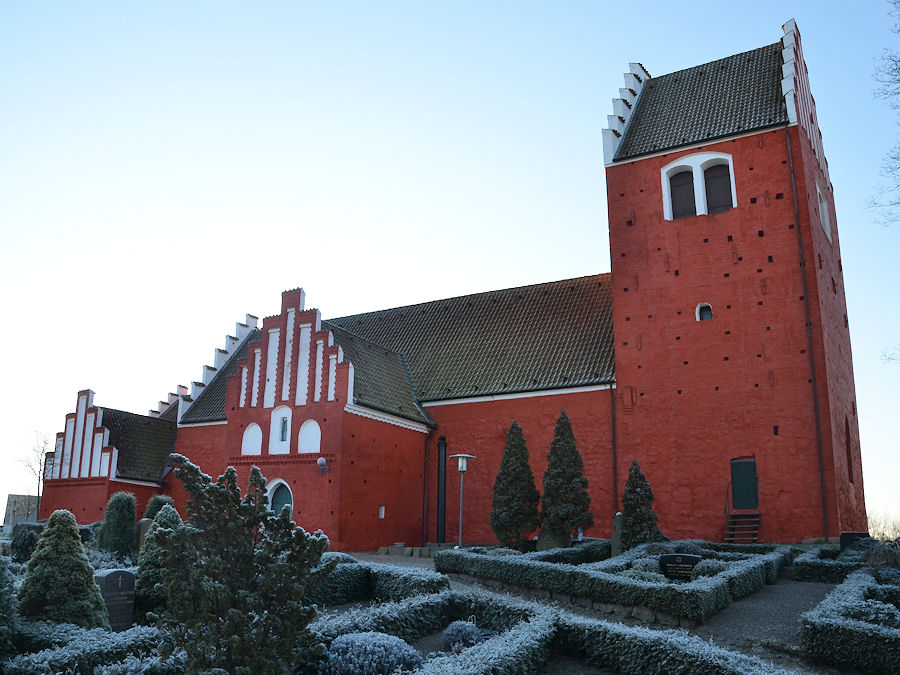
{"x":280,"y":431}
{"x":279,"y":495}
{"x":711,"y":181}
{"x":704,"y":312}
{"x":251,"y":443}
{"x":310,"y":437}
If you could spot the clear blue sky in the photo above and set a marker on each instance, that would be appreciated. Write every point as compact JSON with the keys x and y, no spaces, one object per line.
{"x":166,"y":167}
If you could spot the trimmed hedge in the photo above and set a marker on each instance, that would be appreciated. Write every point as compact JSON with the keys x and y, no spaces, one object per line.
{"x":827,"y":634}
{"x":696,"y":600}
{"x":69,"y":648}
{"x":587,"y":551}
{"x":635,"y":649}
{"x":822,"y":565}
{"x":352,"y":580}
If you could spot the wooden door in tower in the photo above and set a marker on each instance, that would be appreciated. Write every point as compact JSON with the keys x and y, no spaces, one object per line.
{"x":743,"y":484}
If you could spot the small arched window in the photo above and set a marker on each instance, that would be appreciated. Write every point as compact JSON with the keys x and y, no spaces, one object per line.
{"x":310,"y":437}
{"x":718,"y":188}
{"x":704,"y":312}
{"x":681,"y":185}
{"x":280,"y":431}
{"x":280,"y":496}
{"x":251,"y":443}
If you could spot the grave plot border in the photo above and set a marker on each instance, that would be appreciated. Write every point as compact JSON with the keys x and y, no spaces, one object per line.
{"x":828,"y":636}
{"x":599,"y":586}
{"x":814,"y":566}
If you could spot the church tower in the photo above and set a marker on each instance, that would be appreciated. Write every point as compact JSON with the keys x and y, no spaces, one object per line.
{"x":734,"y":375}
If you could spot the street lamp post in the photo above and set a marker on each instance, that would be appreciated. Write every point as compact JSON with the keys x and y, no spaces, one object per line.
{"x":463,"y":460}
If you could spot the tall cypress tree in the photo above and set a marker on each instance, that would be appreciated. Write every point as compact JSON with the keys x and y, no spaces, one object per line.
{"x":566,"y":504}
{"x":514,"y":512}
{"x":117,"y":534}
{"x":638,"y":519}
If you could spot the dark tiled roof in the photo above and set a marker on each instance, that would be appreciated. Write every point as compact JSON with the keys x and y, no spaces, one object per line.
{"x":170,"y":413}
{"x":546,"y":336}
{"x":380,"y":377}
{"x":730,"y":96}
{"x":143,"y":443}
{"x":210,"y":404}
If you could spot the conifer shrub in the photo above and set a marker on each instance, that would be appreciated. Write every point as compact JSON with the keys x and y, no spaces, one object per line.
{"x":638,"y":519}
{"x":7,"y":608}
{"x":149,"y":592}
{"x":59,"y":581}
{"x":24,"y":540}
{"x":369,"y":653}
{"x":514,"y":512}
{"x":565,"y":506}
{"x":117,"y":533}
{"x":461,"y":634}
{"x":155,"y":504}
{"x":883,"y":554}
{"x":236,"y":575}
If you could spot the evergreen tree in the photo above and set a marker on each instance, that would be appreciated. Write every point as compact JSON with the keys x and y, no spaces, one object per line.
{"x":7,"y":609}
{"x":236,"y":575}
{"x":514,"y":512}
{"x":566,"y":504}
{"x":117,"y":533}
{"x":59,"y":581}
{"x":638,"y":518}
{"x":155,"y":504}
{"x":149,"y":592}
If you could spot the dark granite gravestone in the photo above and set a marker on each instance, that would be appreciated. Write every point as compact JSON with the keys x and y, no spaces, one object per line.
{"x":678,"y":565}
{"x":117,"y":589}
{"x":850,"y":538}
{"x":143,"y":527}
{"x":616,"y":541}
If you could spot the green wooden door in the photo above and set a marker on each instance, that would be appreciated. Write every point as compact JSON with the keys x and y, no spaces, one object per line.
{"x":743,"y":484}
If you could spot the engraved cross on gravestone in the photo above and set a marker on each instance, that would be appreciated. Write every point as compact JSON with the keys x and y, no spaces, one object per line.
{"x":117,"y":589}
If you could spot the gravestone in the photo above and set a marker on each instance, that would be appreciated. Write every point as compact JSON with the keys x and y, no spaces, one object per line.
{"x":117,"y":589}
{"x":143,"y":526}
{"x":616,"y":541}
{"x":678,"y":565}
{"x":850,"y":538}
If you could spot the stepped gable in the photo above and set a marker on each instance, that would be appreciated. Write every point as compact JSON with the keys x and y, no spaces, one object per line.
{"x":546,"y":336}
{"x":209,"y":405}
{"x":380,"y":377}
{"x":727,"y":97}
{"x":143,"y":443}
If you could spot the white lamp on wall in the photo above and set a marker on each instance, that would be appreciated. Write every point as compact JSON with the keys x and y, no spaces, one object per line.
{"x":323,"y":465}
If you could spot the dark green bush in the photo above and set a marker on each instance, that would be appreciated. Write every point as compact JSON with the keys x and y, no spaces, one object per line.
{"x":117,"y":534}
{"x":566,"y":504}
{"x":708,"y":567}
{"x":815,"y":565}
{"x":883,"y":554}
{"x":59,"y":581}
{"x":7,"y":609}
{"x":514,"y":510}
{"x":149,"y":592}
{"x":155,"y":504}
{"x":638,"y":519}
{"x":24,"y":540}
{"x":461,"y":634}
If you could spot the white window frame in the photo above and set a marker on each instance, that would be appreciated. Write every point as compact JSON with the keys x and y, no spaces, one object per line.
{"x":252,"y":444}
{"x":276,"y":445}
{"x":697,"y":164}
{"x":309,"y":430}
{"x":704,"y":304}
{"x":270,"y":492}
{"x":824,"y":210}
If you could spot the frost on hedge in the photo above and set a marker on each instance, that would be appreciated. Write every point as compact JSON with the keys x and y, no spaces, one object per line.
{"x":7,"y":608}
{"x":149,"y":591}
{"x":59,"y":581}
{"x":66,"y":648}
{"x":368,"y":653}
{"x":846,"y":628}
{"x":352,"y":580}
{"x":461,"y":634}
{"x":603,"y":581}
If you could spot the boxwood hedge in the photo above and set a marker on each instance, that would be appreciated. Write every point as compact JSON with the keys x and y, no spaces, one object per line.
{"x":353,"y":580}
{"x":599,"y":581}
{"x":822,"y":564}
{"x":829,"y":635}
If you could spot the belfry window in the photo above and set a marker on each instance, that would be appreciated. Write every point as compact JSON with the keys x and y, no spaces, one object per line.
{"x":284,"y":429}
{"x":683,"y":202}
{"x":704,"y":312}
{"x":718,"y":188}
{"x":699,"y":184}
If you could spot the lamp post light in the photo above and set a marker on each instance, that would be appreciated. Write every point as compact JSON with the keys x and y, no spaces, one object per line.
{"x":463,"y":459}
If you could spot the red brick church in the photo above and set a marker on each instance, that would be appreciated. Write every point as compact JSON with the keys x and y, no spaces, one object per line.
{"x":716,"y":353}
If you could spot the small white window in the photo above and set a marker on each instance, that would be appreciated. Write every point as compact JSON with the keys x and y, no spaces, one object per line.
{"x":310,"y":437}
{"x":381,"y":512}
{"x":279,"y":431}
{"x":704,"y":312}
{"x":251,"y":443}
{"x":824,"y":216}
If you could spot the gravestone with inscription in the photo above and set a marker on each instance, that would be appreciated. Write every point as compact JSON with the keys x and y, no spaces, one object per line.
{"x":117,"y":589}
{"x":850,"y":538}
{"x":678,"y":565}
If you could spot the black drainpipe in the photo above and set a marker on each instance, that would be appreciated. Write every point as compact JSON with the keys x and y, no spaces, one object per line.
{"x":425,"y":490}
{"x":615,"y":470}
{"x":442,"y":487}
{"x":809,"y":339}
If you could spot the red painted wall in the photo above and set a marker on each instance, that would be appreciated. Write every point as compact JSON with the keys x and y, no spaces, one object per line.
{"x":480,"y":429}
{"x":697,"y":394}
